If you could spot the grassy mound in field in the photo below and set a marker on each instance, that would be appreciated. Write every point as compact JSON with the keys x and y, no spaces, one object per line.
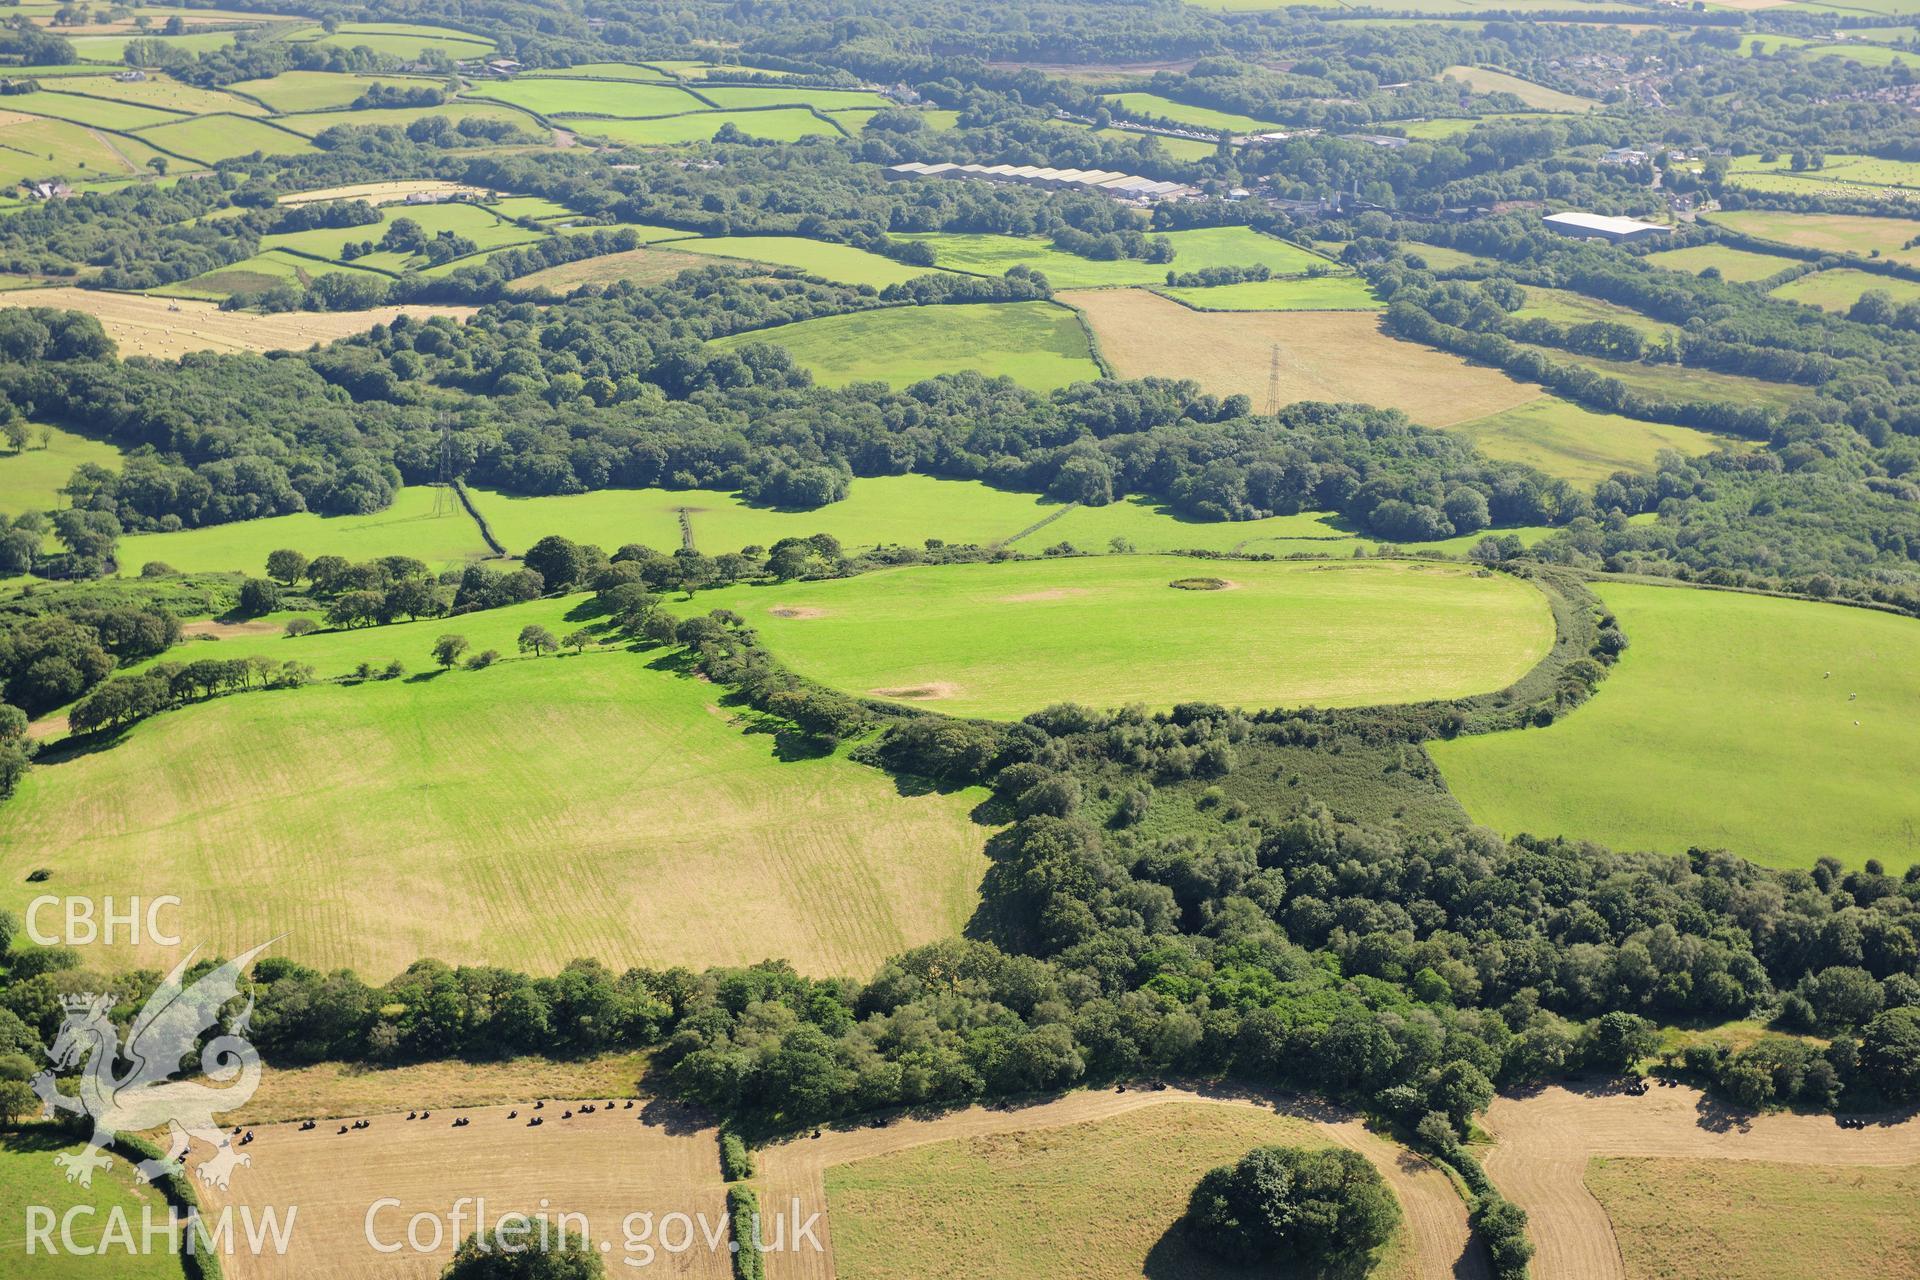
{"x":1722,"y":727}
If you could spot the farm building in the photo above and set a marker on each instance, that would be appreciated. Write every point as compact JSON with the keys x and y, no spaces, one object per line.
{"x":1125,"y":186}
{"x":1600,"y":227}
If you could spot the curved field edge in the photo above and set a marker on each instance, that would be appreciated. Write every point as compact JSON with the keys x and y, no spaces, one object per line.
{"x":1723,"y":705}
{"x":1435,"y":1241}
{"x":1004,"y":640}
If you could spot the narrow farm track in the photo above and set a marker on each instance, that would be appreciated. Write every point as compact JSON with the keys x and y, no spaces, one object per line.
{"x":1544,"y":1142}
{"x":1436,"y":1219}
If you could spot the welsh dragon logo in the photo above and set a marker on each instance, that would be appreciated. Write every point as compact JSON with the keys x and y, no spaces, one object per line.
{"x":144,"y":1095}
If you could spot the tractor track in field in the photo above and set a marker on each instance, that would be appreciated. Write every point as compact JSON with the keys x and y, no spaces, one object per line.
{"x":1544,"y":1142}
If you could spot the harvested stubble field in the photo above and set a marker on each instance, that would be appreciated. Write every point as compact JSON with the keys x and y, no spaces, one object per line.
{"x":1324,"y":355}
{"x":360,"y":1089}
{"x":641,"y":266}
{"x":1731,"y":722}
{"x":1086,"y":1186}
{"x":653,"y":1159}
{"x":166,"y":328}
{"x":1004,"y":640}
{"x":549,"y":808}
{"x":385,"y":192}
{"x":1548,"y":1155}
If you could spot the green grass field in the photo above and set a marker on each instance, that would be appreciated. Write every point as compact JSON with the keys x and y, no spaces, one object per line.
{"x":1568,"y":440}
{"x":211,"y":139}
{"x":1327,"y":293}
{"x":292,"y":91}
{"x":1721,"y":728}
{"x":314,"y":122}
{"x":1740,"y":265}
{"x":985,"y":254}
{"x":1443,"y":129}
{"x":160,"y":92}
{"x":408,"y":528}
{"x":261,"y":271}
{"x":475,"y":223}
{"x":750,"y":96}
{"x":592,"y":97}
{"x":788,"y":124}
{"x":1486,"y":80}
{"x":1178,"y":148}
{"x":1839,"y":289}
{"x":597,"y":71}
{"x":1677,"y":382}
{"x":1704,"y":1219}
{"x":841,"y":262}
{"x":28,"y":1176}
{"x":31,"y":479}
{"x":1829,"y":232}
{"x":1038,"y":344}
{"x":114,"y":48}
{"x":1153,"y":105}
{"x":1869,"y":175}
{"x":1565,"y":307}
{"x":1004,"y":640}
{"x":549,"y":808}
{"x":99,"y":112}
{"x":399,"y":39}
{"x":904,"y":510}
{"x":1098,"y":1200}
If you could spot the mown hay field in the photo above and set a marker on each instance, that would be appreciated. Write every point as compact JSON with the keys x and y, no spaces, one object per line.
{"x":1678,"y":1219}
{"x":987,"y":254}
{"x":1040,"y":345}
{"x":31,"y":478}
{"x":1779,"y":729}
{"x":165,"y":327}
{"x":1576,"y":443}
{"x":1829,"y":232}
{"x":357,"y":1088}
{"x":654,"y":1159}
{"x":265,"y":270}
{"x":1839,"y":289}
{"x":641,"y":266}
{"x":1100,"y":1200}
{"x":549,"y":808}
{"x":409,"y":527}
{"x":1003,"y":640}
{"x":383,"y":192}
{"x":28,"y":1176}
{"x":160,"y":91}
{"x":1325,"y":293}
{"x":1324,"y":355}
{"x":838,"y":262}
{"x":98,"y":112}
{"x":1740,"y":265}
{"x":1487,"y":80}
